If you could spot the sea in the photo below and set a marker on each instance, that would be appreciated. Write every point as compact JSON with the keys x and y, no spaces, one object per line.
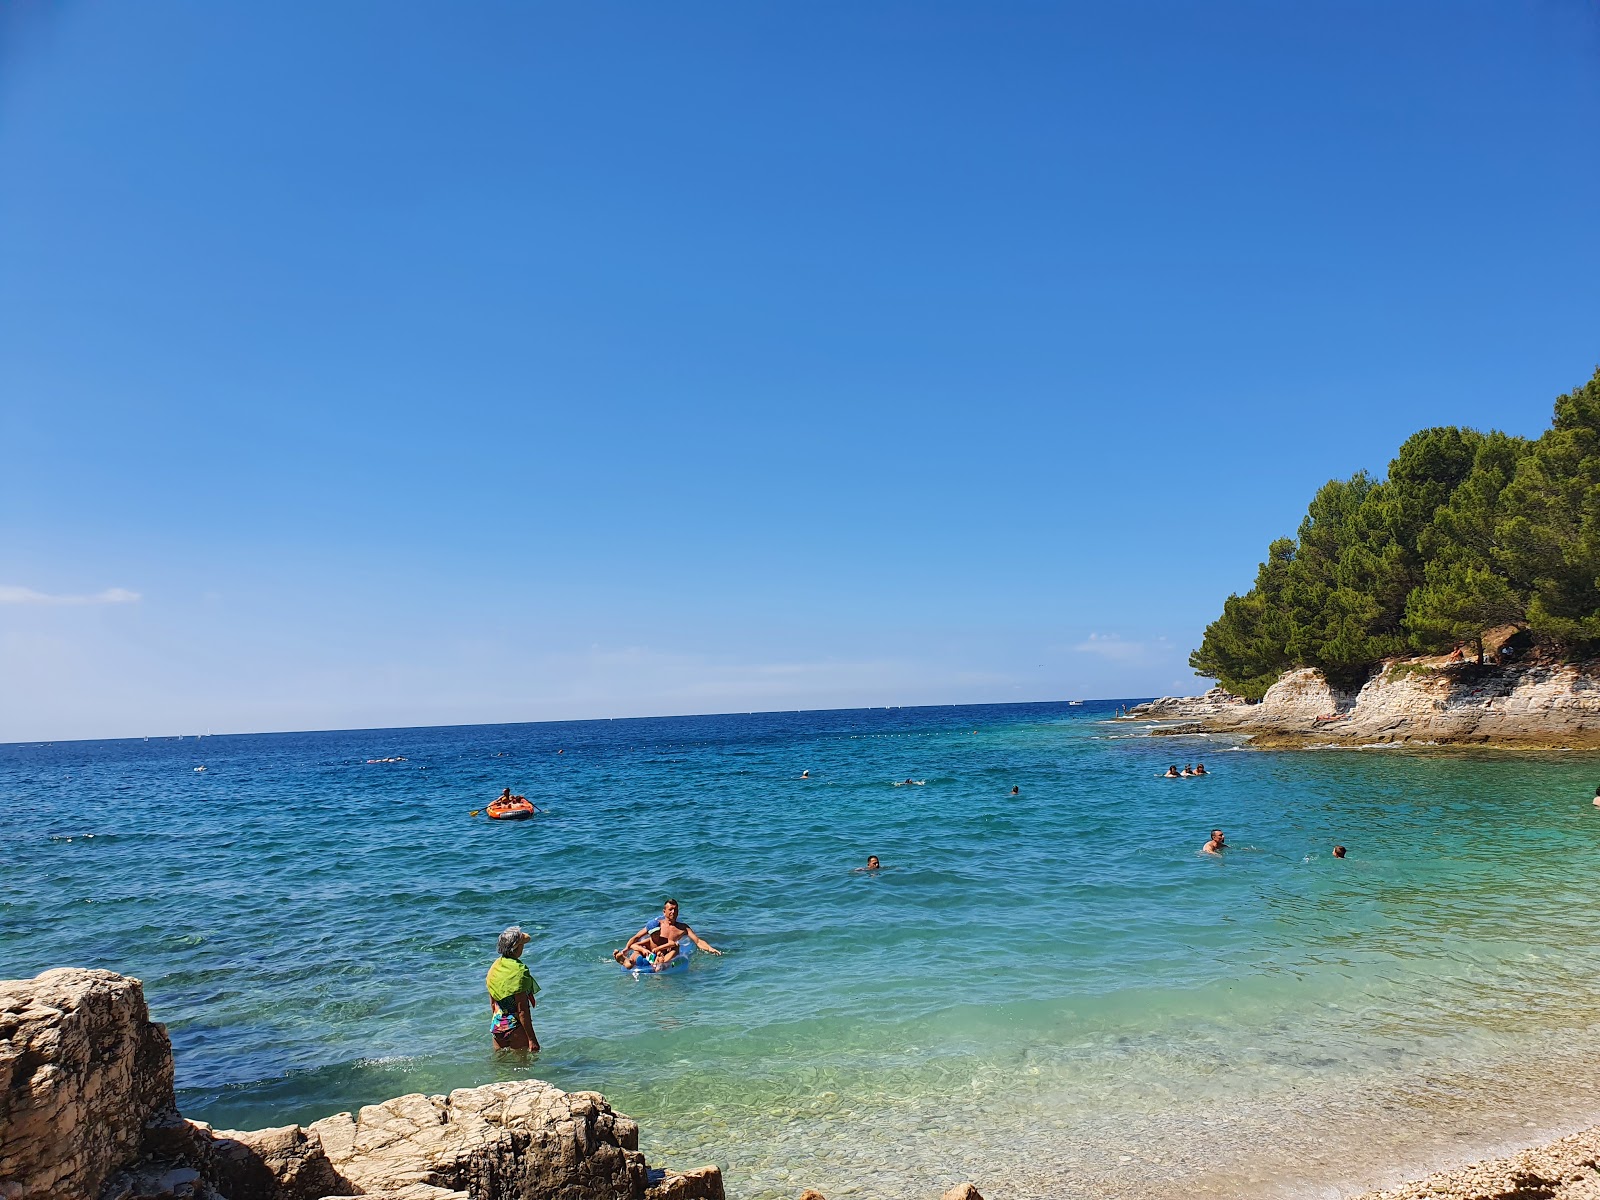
{"x":1049,"y":991}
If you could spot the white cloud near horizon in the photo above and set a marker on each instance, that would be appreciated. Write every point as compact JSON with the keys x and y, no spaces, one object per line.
{"x":1115,"y":648}
{"x":11,"y":594}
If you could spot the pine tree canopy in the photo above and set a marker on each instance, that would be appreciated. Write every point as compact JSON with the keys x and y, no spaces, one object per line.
{"x":1468,"y":531}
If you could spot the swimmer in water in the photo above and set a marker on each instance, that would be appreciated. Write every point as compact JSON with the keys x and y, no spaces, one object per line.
{"x":1172,"y":773}
{"x":1016,"y":791}
{"x":805,"y":774}
{"x":1187,"y":771}
{"x":1200,"y":769}
{"x":1216,"y":845}
{"x":1338,"y":851}
{"x":1597,"y":795}
{"x":872,"y":864}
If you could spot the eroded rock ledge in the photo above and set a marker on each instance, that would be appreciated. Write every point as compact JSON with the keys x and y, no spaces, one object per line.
{"x":1429,"y":701}
{"x":88,"y":1113}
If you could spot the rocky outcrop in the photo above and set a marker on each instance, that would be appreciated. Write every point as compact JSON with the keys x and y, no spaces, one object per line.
{"x":1434,"y":701}
{"x":85,"y":1072}
{"x":87,"y":1113}
{"x":509,"y":1139}
{"x":1187,"y":708}
{"x":284,"y":1163}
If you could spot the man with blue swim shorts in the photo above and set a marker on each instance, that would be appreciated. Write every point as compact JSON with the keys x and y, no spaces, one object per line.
{"x":656,"y":945}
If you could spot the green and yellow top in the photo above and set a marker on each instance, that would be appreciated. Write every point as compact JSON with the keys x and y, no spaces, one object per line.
{"x":509,"y":978}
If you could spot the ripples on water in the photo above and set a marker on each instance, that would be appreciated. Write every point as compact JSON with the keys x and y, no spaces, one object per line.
{"x":1050,"y":992}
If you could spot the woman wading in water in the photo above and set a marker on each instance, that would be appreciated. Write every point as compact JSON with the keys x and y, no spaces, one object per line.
{"x":511,"y":987}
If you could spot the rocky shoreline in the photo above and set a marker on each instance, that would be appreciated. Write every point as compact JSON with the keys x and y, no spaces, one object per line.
{"x":1419,"y":701}
{"x":1565,"y":1169}
{"x":88,"y":1112}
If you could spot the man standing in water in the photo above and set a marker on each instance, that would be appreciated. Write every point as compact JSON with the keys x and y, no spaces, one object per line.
{"x":1216,"y":845}
{"x":511,"y":987}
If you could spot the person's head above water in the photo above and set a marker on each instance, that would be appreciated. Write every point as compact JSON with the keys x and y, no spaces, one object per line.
{"x":872,"y":862}
{"x":1016,"y":791}
{"x":1338,"y":851}
{"x":512,"y":941}
{"x":1217,"y":837}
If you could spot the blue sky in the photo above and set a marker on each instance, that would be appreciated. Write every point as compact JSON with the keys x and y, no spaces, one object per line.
{"x":390,"y":363}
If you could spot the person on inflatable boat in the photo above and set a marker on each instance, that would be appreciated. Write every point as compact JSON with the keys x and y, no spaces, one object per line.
{"x":657,"y":942}
{"x":506,"y":797}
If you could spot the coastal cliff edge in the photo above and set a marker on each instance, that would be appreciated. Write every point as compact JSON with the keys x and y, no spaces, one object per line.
{"x":1419,"y":701}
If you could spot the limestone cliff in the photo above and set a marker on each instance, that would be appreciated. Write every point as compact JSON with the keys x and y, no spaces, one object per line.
{"x":1534,"y":704}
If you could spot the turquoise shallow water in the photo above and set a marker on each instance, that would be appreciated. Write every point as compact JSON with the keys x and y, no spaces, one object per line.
{"x":1051,"y":992}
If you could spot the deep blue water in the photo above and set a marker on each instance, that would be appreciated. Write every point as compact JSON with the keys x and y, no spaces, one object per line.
{"x":1059,"y":968}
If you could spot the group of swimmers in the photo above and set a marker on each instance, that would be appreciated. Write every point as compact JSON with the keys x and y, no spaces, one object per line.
{"x":1219,"y":842}
{"x":1187,"y":772}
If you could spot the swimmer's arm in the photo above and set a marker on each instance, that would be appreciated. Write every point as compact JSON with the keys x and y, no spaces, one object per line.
{"x":700,"y":942}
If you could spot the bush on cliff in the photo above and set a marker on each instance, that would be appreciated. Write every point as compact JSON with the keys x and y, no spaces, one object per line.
{"x":1468,"y":531}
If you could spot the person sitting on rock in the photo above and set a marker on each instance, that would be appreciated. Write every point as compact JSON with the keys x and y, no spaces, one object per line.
{"x":511,"y":988}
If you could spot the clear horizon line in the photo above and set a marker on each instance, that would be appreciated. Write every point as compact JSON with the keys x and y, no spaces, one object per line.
{"x":562,"y":721}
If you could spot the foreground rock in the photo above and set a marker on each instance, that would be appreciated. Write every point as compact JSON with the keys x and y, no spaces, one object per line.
{"x":1418,"y":701}
{"x":88,"y":1113}
{"x":509,"y":1139}
{"x":86,"y":1071}
{"x":1568,"y":1169}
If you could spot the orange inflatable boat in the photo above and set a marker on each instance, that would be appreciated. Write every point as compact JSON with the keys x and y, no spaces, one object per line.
{"x":518,"y":808}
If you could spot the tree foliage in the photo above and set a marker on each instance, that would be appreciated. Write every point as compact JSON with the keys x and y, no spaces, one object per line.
{"x":1468,"y":531}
